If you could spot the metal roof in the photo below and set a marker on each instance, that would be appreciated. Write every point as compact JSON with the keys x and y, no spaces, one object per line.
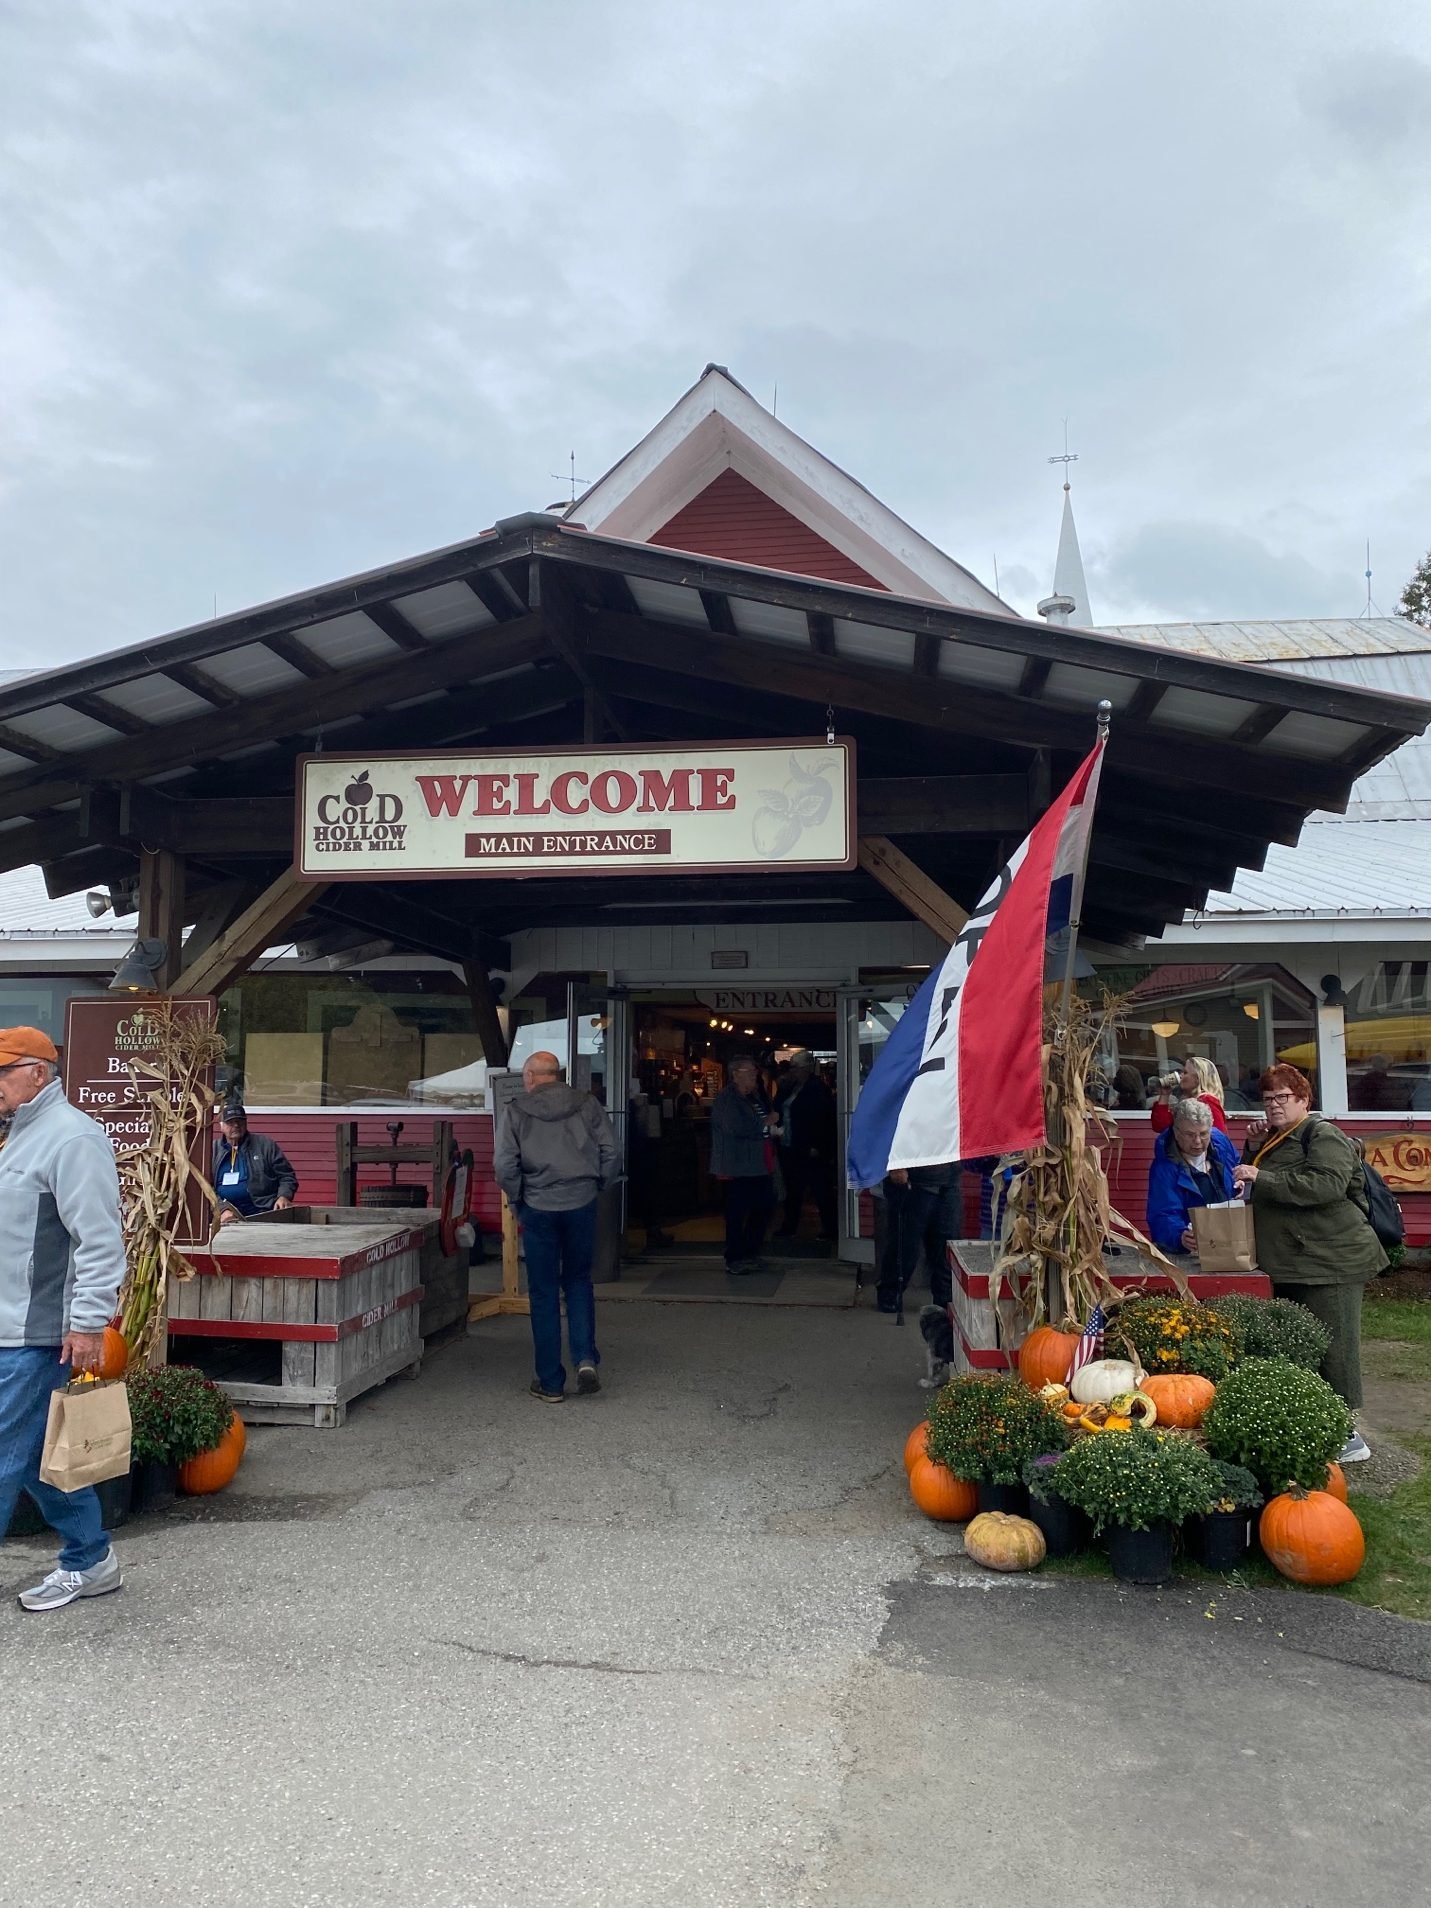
{"x":517,"y":625}
{"x":1332,"y":637}
{"x":1370,"y":869}
{"x":27,"y":912}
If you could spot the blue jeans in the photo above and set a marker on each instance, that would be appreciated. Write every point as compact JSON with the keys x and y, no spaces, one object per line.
{"x":28,"y":1374}
{"x":560,"y":1247}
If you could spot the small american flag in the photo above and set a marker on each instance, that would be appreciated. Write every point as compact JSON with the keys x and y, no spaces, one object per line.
{"x":1090,"y":1342}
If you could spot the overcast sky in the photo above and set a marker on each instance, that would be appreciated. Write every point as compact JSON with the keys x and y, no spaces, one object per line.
{"x":291,"y":288}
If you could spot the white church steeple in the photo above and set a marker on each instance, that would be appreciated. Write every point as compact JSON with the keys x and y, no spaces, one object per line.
{"x":1069,"y":602}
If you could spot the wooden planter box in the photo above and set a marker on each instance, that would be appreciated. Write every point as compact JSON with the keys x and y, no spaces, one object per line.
{"x":339,"y":1303}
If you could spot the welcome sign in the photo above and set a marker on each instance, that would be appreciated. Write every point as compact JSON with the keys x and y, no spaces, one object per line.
{"x":715,"y":807}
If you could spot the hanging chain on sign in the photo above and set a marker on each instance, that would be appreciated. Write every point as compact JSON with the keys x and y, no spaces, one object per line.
{"x":829,"y":722}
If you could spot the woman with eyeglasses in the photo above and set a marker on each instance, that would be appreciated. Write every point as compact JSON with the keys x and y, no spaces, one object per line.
{"x":1198,"y":1079}
{"x":1309,"y":1212}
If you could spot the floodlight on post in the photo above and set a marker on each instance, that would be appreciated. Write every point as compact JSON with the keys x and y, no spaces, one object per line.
{"x":97,"y":903}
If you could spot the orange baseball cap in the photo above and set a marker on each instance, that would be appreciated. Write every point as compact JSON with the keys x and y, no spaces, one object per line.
{"x":25,"y":1043}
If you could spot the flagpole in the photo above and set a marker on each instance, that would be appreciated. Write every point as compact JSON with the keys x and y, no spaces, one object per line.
{"x":1075,"y":911}
{"x":1052,"y":1292}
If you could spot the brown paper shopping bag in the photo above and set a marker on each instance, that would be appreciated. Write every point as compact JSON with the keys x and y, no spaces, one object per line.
{"x":1224,"y":1237}
{"x":86,"y":1436}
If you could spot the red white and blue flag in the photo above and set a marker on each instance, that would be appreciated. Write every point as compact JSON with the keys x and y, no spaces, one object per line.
{"x":1090,"y":1341}
{"x":961,"y":1076}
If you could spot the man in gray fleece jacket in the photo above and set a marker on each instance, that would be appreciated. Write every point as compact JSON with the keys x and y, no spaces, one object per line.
{"x":555,"y":1152}
{"x":61,"y":1263}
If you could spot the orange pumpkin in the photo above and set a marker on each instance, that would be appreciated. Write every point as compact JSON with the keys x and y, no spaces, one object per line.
{"x":1045,"y":1356}
{"x":1182,"y":1399}
{"x":941,"y":1495}
{"x":212,"y":1470}
{"x":1336,"y":1484}
{"x":114,"y":1359}
{"x":916,"y":1446}
{"x":1312,"y":1538}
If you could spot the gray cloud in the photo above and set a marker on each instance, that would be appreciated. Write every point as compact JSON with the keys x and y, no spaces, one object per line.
{"x":287,"y":292}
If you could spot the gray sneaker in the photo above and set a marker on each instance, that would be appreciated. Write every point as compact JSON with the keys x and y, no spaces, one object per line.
{"x":1355,"y":1451}
{"x":587,"y":1379}
{"x":67,"y":1586}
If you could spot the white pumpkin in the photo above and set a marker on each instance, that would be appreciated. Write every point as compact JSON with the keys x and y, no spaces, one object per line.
{"x":1104,"y":1379}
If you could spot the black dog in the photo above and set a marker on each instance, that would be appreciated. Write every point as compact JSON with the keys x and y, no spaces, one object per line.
{"x":936,"y":1328}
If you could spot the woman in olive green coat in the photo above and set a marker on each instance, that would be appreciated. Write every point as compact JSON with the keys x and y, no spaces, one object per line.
{"x":1309,"y":1212}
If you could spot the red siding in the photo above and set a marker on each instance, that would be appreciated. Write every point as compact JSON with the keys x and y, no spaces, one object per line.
{"x":307,"y":1138}
{"x":732,"y":519}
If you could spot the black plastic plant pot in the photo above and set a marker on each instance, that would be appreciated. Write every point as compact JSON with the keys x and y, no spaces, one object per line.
{"x":1011,"y":1498}
{"x":114,"y":1499}
{"x":1221,"y":1540}
{"x":1065,"y":1530}
{"x":26,"y":1521}
{"x":155,"y":1486}
{"x":1141,"y":1556}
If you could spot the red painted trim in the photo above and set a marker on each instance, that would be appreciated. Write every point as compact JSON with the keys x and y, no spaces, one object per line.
{"x":1204,"y":1285}
{"x":278,"y":1328}
{"x":283,"y":1266}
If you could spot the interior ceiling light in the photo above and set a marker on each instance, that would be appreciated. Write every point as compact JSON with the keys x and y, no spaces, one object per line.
{"x":1252,"y":1010}
{"x":1165,"y":1029}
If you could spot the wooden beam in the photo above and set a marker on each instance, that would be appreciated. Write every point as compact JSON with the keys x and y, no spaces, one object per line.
{"x":206,"y":687}
{"x":943,"y":704}
{"x":395,"y":626}
{"x":1036,"y":673}
{"x":219,"y":908}
{"x":484,"y":1012}
{"x":944,"y":805}
{"x":101,"y":709}
{"x":1040,"y":781}
{"x":909,"y":884}
{"x":717,"y":609}
{"x":26,"y":746}
{"x":261,"y":924}
{"x":926,"y":654}
{"x":1258,"y":726}
{"x":551,"y":594}
{"x":281,"y":712}
{"x":822,"y":632}
{"x":298,"y":656}
{"x":161,"y":907}
{"x":92,"y":868}
{"x":1144,"y":699}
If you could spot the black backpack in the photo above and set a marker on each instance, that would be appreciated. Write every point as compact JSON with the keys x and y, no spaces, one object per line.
{"x":1383,"y":1214}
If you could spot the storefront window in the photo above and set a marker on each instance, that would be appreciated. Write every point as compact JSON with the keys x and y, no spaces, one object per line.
{"x":41,"y":1002}
{"x":374,"y":1039}
{"x":1241,"y":1017}
{"x":1388,"y":1030}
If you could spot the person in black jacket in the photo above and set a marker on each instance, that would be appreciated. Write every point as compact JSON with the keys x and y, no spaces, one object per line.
{"x":807,"y":1147}
{"x":251,"y":1173}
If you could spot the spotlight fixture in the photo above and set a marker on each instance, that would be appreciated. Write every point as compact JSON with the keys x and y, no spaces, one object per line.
{"x":135,"y":973}
{"x":97,"y":903}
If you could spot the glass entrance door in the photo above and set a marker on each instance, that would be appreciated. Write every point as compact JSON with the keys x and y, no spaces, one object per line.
{"x":598,"y":1045}
{"x":868,"y":1016}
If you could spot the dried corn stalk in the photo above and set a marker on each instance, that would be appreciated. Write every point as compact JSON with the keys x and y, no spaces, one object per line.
{"x":1058,"y":1215}
{"x":158,"y":1179}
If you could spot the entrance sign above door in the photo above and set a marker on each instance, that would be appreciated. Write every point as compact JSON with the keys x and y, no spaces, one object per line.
{"x":715,"y":807}
{"x":768,"y":1000}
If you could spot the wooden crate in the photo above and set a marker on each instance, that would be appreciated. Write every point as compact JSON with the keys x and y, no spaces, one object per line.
{"x":341,"y":1301}
{"x":445,"y":1276}
{"x":984,"y":1343}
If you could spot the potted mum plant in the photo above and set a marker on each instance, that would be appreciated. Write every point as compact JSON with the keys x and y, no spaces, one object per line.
{"x":1220,"y":1537}
{"x":1065,"y":1530}
{"x":1283,"y":1423}
{"x":1171,"y":1334}
{"x":1277,"y":1328}
{"x":1137,"y":1487}
{"x":986,"y":1429}
{"x":176,"y":1414}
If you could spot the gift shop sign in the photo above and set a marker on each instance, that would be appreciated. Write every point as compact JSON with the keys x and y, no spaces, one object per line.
{"x":1402,"y":1159}
{"x":718,"y":807}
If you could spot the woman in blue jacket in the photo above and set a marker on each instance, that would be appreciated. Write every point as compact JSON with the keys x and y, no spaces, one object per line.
{"x":1192,"y":1166}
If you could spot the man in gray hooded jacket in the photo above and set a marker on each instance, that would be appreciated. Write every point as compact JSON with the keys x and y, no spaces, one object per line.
{"x":61,"y":1263}
{"x":555,"y":1153}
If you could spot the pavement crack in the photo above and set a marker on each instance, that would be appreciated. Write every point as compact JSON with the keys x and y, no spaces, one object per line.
{"x":523,"y":1661}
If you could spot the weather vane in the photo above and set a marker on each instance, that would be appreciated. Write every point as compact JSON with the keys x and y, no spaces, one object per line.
{"x":1068,"y":457}
{"x":569,"y":477}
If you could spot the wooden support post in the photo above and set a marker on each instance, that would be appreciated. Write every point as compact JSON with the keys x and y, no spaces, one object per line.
{"x":484,"y":1012}
{"x":910,"y":886}
{"x":161,"y":907}
{"x":261,"y":924}
{"x":510,"y":1301}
